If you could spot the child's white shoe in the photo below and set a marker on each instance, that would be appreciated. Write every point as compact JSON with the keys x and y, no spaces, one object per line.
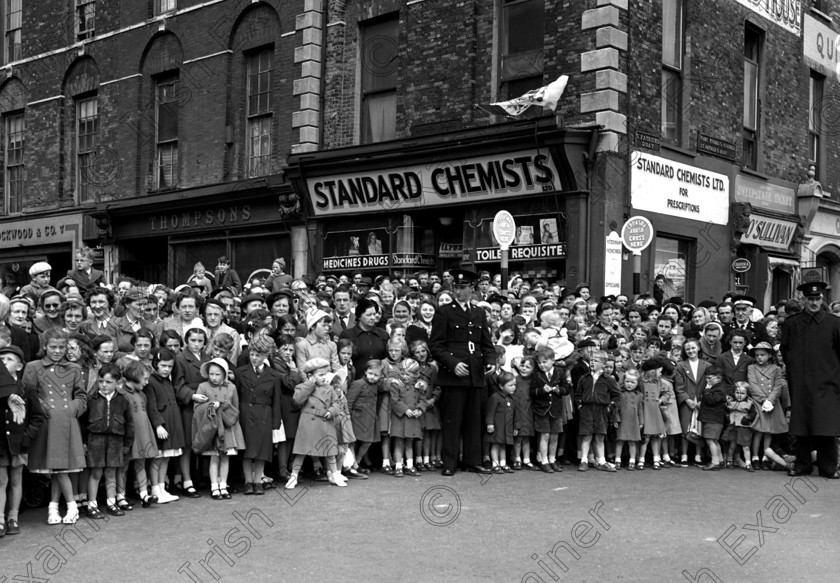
{"x":53,"y":516}
{"x":337,"y":479}
{"x":72,"y":514}
{"x":291,"y":483}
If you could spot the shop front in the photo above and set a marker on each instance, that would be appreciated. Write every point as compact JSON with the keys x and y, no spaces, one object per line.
{"x":767,"y":239}
{"x":52,"y":238}
{"x":429,"y":203}
{"x":688,"y":206}
{"x":159,"y":239}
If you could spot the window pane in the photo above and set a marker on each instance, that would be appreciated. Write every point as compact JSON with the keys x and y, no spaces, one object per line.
{"x":750,"y":95}
{"x":672,"y":41}
{"x":815,"y":102}
{"x":259,"y":145}
{"x":259,"y":82}
{"x":380,"y":55}
{"x":15,"y":169}
{"x":671,"y":105}
{"x":523,"y":27}
{"x":167,"y":163}
{"x":381,"y":117}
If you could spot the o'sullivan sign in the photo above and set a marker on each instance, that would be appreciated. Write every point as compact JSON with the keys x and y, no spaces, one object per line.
{"x":487,"y":178}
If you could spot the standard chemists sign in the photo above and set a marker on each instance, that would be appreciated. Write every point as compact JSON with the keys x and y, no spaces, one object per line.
{"x":662,"y":186}
{"x":472,"y":179}
{"x":785,"y":13}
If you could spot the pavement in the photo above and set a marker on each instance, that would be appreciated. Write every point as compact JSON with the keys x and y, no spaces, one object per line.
{"x":678,"y":524}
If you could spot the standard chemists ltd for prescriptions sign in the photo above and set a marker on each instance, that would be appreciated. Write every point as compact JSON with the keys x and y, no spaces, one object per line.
{"x":486,"y":178}
{"x":663,"y":186}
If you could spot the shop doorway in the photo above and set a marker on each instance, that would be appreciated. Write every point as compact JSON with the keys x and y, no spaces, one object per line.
{"x":145,"y":260}
{"x":782,"y":287}
{"x":14,"y":269}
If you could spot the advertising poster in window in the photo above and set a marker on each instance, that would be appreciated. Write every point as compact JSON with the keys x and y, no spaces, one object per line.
{"x":548,"y":231}
{"x":524,"y":235}
{"x":524,"y":248}
{"x":351,"y":250}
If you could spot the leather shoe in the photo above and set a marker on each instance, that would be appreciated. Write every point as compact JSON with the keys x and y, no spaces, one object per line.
{"x":480,"y":470}
{"x":834,"y":476}
{"x":259,"y":489}
{"x":800,"y":472}
{"x":12,"y":527}
{"x":249,"y":489}
{"x":447,"y":472}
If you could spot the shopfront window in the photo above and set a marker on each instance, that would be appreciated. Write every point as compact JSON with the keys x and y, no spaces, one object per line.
{"x":538,"y":250}
{"x":671,"y":268}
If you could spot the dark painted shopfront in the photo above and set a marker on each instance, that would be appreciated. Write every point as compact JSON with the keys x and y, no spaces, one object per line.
{"x":50,"y":238}
{"x":429,"y":203}
{"x":161,"y":237}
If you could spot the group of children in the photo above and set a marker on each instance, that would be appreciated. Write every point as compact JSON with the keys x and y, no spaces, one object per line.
{"x":645,"y":405}
{"x":80,"y":425}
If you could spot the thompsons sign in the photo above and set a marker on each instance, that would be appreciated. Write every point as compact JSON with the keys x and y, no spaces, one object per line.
{"x":472,"y":179}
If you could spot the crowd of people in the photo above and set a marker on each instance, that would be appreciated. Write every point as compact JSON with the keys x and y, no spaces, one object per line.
{"x":336,"y":377}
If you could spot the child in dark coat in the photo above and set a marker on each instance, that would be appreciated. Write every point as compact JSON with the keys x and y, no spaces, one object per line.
{"x":713,"y":414}
{"x":110,"y":434}
{"x":361,"y":400}
{"x":165,"y":417}
{"x":524,"y":417}
{"x":21,"y":418}
{"x":499,"y":419}
{"x":548,"y":385}
{"x":594,"y":394}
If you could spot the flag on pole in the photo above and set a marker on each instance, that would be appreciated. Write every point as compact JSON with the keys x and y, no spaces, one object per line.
{"x":546,"y":96}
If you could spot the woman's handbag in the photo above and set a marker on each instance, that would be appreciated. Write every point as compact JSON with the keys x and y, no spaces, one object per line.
{"x":695,"y":428}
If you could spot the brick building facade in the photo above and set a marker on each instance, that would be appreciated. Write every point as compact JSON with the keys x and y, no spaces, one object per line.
{"x":157,"y":130}
{"x":701,"y":116}
{"x":705,"y":119}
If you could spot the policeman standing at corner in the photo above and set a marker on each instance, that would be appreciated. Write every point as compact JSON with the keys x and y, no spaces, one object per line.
{"x":810,"y":346}
{"x":460,"y":342}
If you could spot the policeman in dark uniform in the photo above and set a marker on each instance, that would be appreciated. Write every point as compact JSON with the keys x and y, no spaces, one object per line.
{"x":810,"y":346}
{"x":460,"y":342}
{"x":743,"y":307}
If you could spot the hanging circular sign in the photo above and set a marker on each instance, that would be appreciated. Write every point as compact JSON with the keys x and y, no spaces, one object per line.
{"x":637,"y":234}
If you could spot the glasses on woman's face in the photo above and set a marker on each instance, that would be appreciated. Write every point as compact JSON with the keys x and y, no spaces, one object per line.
{"x":51,"y":307}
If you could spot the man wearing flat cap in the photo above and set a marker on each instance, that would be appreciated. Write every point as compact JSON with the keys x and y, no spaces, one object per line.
{"x":810,"y":346}
{"x":460,"y":341}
